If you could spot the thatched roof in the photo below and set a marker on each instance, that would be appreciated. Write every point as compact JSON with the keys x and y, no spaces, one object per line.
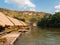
{"x":2,"y":24}
{"x":9,"y":21}
{"x":4,"y":20}
{"x":24,"y":24}
{"x":16,"y":22}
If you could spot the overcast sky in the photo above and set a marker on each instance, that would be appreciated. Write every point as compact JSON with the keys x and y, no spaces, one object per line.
{"x":49,"y":6}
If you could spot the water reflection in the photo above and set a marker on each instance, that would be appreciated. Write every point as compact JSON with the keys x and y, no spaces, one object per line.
{"x":40,"y":36}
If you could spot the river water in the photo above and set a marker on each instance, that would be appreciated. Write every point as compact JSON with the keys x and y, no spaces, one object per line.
{"x":40,"y":36}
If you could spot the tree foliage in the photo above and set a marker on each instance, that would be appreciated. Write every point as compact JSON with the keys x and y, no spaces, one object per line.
{"x":51,"y":21}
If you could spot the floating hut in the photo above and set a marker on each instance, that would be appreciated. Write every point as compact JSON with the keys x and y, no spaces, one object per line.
{"x":6,"y":21}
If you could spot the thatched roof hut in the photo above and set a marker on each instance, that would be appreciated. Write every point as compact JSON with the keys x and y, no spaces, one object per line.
{"x":4,"y":21}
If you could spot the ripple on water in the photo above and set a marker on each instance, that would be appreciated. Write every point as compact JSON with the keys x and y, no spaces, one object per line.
{"x":40,"y":37}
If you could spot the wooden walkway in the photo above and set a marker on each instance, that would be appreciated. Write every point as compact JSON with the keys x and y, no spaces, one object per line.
{"x":11,"y":37}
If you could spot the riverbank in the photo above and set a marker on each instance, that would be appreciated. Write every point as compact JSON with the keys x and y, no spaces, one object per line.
{"x":11,"y":38}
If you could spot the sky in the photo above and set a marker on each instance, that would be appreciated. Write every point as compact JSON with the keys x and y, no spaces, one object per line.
{"x":50,"y":6}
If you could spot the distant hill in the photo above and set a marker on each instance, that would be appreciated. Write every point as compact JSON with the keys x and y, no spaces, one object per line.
{"x":27,"y":15}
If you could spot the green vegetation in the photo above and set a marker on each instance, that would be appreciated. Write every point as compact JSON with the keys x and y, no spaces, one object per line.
{"x":44,"y":19}
{"x":51,"y":21}
{"x":23,"y":15}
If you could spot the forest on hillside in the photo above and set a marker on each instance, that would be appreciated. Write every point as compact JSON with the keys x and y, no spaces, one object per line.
{"x":26,"y":16}
{"x":51,"y":21}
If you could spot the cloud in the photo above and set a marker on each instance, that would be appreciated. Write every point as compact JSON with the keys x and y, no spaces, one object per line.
{"x":22,"y":3}
{"x":57,"y":7}
{"x":32,"y":9}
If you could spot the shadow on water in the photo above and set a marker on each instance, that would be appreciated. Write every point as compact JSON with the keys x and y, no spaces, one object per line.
{"x":40,"y":36}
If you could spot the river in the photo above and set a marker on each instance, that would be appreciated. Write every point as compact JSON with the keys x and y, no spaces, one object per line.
{"x":40,"y":36}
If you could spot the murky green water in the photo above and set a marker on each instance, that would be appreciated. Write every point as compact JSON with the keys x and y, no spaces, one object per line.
{"x":50,"y":36}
